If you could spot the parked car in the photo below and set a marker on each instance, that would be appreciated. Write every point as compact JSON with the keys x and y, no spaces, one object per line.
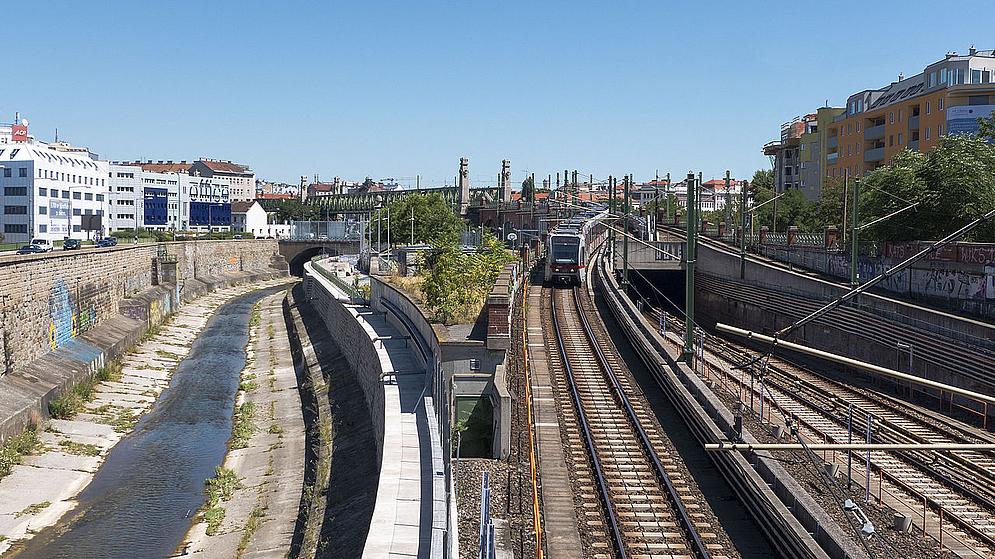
{"x":45,"y":244}
{"x":105,"y":242}
{"x":31,"y":249}
{"x":71,"y":244}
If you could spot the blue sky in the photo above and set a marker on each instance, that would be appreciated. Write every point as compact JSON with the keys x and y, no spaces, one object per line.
{"x":395,"y":89}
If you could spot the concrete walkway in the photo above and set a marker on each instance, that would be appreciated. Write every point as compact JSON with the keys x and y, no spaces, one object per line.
{"x":44,"y":486}
{"x":261,"y":515}
{"x":410,"y":499}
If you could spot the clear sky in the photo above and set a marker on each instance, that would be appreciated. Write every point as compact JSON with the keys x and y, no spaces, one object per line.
{"x":395,"y":89}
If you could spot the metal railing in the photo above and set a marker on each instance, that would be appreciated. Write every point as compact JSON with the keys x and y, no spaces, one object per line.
{"x":326,"y":230}
{"x":486,"y":548}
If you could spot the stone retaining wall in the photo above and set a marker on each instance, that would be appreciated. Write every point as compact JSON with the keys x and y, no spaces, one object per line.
{"x":48,"y":300}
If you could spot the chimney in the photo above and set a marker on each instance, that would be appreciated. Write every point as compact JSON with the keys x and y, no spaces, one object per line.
{"x":901,"y":76}
{"x":972,"y":51}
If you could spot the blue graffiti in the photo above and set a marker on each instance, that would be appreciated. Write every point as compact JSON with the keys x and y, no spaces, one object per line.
{"x":60,"y":313}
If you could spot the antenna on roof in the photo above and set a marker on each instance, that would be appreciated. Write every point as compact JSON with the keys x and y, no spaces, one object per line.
{"x":56,"y":134}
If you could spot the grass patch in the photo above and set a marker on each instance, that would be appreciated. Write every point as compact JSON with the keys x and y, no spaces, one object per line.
{"x":275,"y":429}
{"x":74,"y":401}
{"x":242,"y":426}
{"x":222,"y":486}
{"x":3,"y":538}
{"x":124,"y":420}
{"x":17,"y":447}
{"x":256,"y":318}
{"x":34,"y":509}
{"x":167,"y":354}
{"x":248,"y":386}
{"x":79,"y":449}
{"x":213,"y":517}
{"x":251,"y":525}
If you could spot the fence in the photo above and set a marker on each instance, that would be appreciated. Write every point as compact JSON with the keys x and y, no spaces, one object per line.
{"x":326,"y":230}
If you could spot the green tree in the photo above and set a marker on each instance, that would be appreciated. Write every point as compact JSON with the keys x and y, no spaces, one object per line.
{"x":434,"y":220}
{"x":528,"y":189}
{"x":457,"y":283}
{"x":295,"y":210}
{"x":986,"y":127}
{"x":953,"y":184}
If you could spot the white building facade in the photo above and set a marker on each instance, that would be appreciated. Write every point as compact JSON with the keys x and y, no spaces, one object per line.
{"x":52,"y":191}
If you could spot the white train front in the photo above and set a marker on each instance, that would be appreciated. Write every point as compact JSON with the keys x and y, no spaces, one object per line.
{"x":569,"y":247}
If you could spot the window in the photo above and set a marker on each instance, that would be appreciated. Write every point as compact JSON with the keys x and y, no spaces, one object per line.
{"x":975,"y":76}
{"x":891,"y":140}
{"x":100,"y":212}
{"x":927,"y":132}
{"x":100,"y":197}
{"x":77,"y":195}
{"x":15,"y":191}
{"x":43,"y":228}
{"x":932,"y":79}
{"x":76,"y":211}
{"x":7,"y":172}
{"x":939,"y":104}
{"x":65,"y":194}
{"x":76,"y":228}
{"x":939,"y":130}
{"x":943,"y":75}
{"x":986,"y":76}
{"x":956,"y":76}
{"x":42,"y":192}
{"x":88,"y":211}
{"x":42,"y":210}
{"x":899,"y":138}
{"x":15,"y":228}
{"x":22,"y":172}
{"x":88,"y":196}
{"x":891,"y":117}
{"x":858,"y":127}
{"x":927,"y":107}
{"x":15,"y":210}
{"x":899,"y":115}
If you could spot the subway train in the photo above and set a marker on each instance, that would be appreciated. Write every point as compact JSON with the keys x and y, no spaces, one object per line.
{"x":569,"y":247}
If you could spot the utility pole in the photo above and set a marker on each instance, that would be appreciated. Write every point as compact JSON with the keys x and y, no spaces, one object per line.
{"x":854,"y":246}
{"x":846,"y":187}
{"x":742,"y":231}
{"x":656,"y":203}
{"x":728,"y":204}
{"x":689,"y":261}
{"x":625,"y":232}
{"x":668,"y":197}
{"x":611,"y":212}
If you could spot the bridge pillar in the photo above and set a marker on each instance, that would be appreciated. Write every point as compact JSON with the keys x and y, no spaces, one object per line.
{"x":463,"y":182}
{"x":505,"y":181}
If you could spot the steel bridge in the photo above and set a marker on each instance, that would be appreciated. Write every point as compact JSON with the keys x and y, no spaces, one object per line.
{"x":368,"y":202}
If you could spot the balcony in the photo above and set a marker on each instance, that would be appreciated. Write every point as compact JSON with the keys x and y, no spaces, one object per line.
{"x":874,"y":154}
{"x":913,"y":123}
{"x":831,"y":158}
{"x":874,"y":132}
{"x":834,"y":141}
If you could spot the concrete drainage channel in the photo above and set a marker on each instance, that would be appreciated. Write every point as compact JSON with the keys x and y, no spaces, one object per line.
{"x":153,"y":474}
{"x":792,"y":521}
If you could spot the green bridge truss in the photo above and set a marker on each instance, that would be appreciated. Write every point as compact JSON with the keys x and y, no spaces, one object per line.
{"x":366,"y":202}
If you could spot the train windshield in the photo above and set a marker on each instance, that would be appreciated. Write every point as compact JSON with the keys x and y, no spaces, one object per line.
{"x":565,"y":250}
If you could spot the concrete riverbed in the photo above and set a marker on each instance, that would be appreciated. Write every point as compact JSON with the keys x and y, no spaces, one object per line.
{"x":124,"y":477}
{"x":267,"y":458}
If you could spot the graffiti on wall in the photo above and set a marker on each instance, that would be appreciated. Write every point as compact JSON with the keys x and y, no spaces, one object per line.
{"x":69,"y":315}
{"x":159,"y":309}
{"x":231,"y":265}
{"x":952,"y":284}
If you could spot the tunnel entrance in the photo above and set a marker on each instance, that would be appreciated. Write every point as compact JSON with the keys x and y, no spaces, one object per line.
{"x":662,"y":288}
{"x":304,"y":256}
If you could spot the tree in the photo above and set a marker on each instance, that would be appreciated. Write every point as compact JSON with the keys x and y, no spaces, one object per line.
{"x":953,"y":184}
{"x":295,"y":210}
{"x":763,"y":179}
{"x":528,"y":189}
{"x":434,"y":219}
{"x":986,"y":127}
{"x":457,"y":283}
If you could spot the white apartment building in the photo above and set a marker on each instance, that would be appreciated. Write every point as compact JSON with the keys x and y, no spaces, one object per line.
{"x":145,"y":199}
{"x":52,"y":191}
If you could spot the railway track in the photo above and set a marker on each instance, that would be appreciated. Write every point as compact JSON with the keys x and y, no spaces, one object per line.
{"x":648,"y":508}
{"x":961,"y":484}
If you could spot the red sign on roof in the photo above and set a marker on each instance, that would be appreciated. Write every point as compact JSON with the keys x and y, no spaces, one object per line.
{"x":19,"y":132}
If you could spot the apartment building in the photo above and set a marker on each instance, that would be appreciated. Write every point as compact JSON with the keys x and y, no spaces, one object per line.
{"x":947,"y":97}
